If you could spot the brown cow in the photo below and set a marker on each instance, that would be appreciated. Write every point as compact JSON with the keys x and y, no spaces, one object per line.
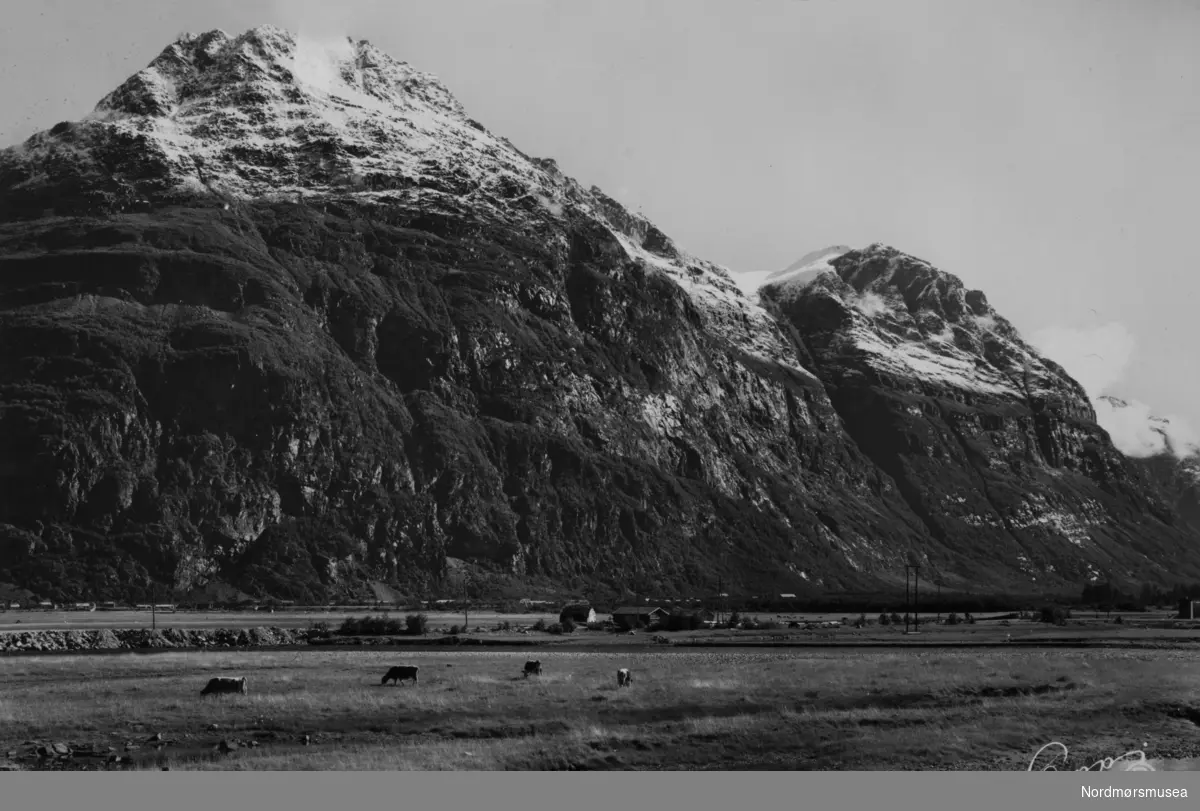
{"x":533,"y":666}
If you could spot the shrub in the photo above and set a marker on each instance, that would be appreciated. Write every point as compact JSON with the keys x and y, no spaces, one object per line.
{"x":884,"y":619}
{"x":1118,"y":620}
{"x":320,"y":629}
{"x":454,"y":630}
{"x":953,"y":619}
{"x":371,"y":626}
{"x":416,"y":624}
{"x":735,"y":619}
{"x":1054,"y":614}
{"x":556,"y":628}
{"x":897,"y":619}
{"x":540,"y":625}
{"x":970,"y":619}
{"x":595,"y":626}
{"x":568,"y":625}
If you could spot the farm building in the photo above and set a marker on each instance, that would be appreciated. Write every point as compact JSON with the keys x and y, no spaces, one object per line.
{"x":689,"y":619}
{"x":630,"y":616}
{"x":1189,"y":609}
{"x":578,"y":612}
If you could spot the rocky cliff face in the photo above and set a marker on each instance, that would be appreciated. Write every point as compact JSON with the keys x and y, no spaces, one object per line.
{"x":995,"y":447}
{"x":286,"y":318}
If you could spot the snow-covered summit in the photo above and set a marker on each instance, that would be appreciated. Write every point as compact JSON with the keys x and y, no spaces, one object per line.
{"x":801,"y":271}
{"x":268,"y":114}
{"x":911,"y":321}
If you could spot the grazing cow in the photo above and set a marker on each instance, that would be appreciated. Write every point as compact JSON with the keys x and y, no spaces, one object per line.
{"x":401,"y":673}
{"x":624,"y":678}
{"x":534,"y":666}
{"x":225,"y":684}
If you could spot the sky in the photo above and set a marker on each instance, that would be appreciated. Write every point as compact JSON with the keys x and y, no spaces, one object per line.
{"x":1044,"y":151}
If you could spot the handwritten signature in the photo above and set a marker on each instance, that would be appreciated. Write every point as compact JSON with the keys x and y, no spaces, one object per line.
{"x":1132,"y":761}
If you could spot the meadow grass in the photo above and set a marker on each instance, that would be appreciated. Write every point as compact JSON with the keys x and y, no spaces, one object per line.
{"x":685,"y":710}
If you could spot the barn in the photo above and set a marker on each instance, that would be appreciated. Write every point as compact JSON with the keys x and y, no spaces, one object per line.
{"x":578,"y":612}
{"x":630,"y":616}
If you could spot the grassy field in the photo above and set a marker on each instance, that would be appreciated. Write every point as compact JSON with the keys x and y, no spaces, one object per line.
{"x":686,"y":710}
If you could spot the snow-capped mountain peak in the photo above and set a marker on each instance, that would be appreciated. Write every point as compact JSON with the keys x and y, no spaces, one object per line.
{"x":799,"y":272}
{"x":267,"y":114}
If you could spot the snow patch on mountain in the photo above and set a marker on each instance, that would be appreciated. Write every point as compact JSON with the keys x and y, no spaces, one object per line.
{"x":796,"y":275}
{"x":938,"y":338}
{"x":730,"y":313}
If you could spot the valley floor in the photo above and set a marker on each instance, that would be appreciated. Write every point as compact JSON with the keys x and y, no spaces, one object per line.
{"x":729,"y":709}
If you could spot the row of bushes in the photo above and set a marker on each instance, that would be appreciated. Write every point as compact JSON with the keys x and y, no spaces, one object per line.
{"x":382,"y":625}
{"x":417,"y":624}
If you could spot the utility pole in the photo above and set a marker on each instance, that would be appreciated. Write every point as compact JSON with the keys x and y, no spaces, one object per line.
{"x":916,"y":570}
{"x":153,"y":606}
{"x":916,"y":599}
{"x":939,"y":598}
{"x":466,"y":605}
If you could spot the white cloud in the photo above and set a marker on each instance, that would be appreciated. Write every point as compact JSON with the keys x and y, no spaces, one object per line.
{"x":1141,"y":433}
{"x":1097,"y":358}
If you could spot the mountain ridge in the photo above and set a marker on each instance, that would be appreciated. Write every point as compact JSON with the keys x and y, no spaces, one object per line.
{"x":362,"y":340}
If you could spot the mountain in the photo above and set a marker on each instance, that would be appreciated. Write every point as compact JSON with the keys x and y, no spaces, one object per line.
{"x":750,"y":282}
{"x":282,"y":318}
{"x":1168,"y":456}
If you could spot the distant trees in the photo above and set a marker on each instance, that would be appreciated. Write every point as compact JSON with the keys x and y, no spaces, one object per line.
{"x":1054,"y":614}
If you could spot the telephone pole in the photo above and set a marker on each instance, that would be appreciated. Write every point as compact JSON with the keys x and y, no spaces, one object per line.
{"x":916,"y":598}
{"x":906,"y":602}
{"x":466,"y":605}
{"x":916,"y":572}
